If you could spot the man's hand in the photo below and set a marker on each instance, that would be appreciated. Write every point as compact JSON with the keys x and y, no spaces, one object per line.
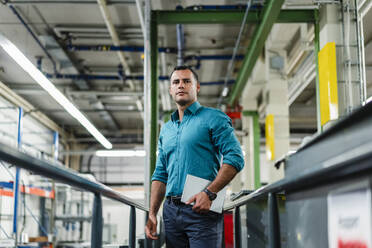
{"x":150,"y":228}
{"x":202,"y":203}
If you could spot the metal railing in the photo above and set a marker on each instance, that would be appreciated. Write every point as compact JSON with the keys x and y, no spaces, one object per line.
{"x":352,"y":163}
{"x":68,"y":176}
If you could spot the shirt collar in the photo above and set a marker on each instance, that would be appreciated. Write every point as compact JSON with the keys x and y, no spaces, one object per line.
{"x":192,"y":108}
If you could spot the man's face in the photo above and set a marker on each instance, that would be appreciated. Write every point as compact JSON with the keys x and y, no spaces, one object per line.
{"x":183,"y":87}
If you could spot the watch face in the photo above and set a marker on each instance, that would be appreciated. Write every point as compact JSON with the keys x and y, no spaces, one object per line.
{"x":212,"y":196}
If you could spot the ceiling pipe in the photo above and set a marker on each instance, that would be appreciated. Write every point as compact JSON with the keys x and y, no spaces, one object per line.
{"x":112,"y":77}
{"x":25,"y":2}
{"x":140,"y":16}
{"x":111,"y":48}
{"x":115,"y":39}
{"x":114,"y":36}
{"x":270,"y":14}
{"x":230,"y":67}
{"x":28,"y":28}
{"x":164,"y":94}
{"x":256,"y":4}
{"x":180,"y":44}
{"x":106,"y":115}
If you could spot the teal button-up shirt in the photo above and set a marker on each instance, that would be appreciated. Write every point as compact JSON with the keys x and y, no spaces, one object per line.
{"x":195,"y":146}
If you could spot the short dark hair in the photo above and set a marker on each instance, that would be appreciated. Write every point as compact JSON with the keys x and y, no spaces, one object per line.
{"x":185,"y":67}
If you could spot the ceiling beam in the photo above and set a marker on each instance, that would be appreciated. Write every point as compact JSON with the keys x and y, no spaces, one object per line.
{"x":19,"y":101}
{"x":270,"y":15}
{"x":228,"y":16}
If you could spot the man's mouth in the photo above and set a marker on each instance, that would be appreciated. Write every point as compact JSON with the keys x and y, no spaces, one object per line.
{"x":181,"y":93}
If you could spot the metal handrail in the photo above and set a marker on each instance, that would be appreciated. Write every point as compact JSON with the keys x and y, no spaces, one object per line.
{"x":335,"y":168}
{"x":332,"y":171}
{"x":62,"y":174}
{"x":68,"y":176}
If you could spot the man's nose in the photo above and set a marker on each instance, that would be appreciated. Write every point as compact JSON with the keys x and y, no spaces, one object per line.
{"x":181,"y":84}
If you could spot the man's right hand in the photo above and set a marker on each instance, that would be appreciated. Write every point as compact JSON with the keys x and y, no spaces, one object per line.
{"x":150,"y":228}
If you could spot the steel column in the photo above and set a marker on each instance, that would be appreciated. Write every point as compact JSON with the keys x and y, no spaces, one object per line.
{"x":132,"y":227}
{"x":256,"y":146}
{"x":148,"y":243}
{"x":17,"y":178}
{"x":274,"y":229}
{"x":154,"y":91}
{"x":270,"y":15}
{"x":228,"y":16}
{"x":316,"y":51}
{"x":237,"y":229}
{"x":97,"y":224}
{"x":53,"y":200}
{"x":147,"y":99}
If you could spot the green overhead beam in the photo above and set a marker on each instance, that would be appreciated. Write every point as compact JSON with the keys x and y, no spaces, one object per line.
{"x":228,"y":16}
{"x":270,"y":15}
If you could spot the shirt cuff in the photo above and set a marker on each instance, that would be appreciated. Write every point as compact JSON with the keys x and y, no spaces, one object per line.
{"x":158,"y":178}
{"x":237,"y":165}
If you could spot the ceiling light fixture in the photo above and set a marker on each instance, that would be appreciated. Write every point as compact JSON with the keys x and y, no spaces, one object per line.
{"x":120,"y":153}
{"x":39,"y":77}
{"x":225,"y":91}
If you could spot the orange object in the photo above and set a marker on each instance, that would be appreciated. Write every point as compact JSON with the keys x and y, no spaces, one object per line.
{"x":6,"y":193}
{"x":30,"y":191}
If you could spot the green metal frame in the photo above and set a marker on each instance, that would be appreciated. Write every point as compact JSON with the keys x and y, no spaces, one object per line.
{"x":256,"y":146}
{"x":228,"y":16}
{"x":265,"y":19}
{"x":316,"y":51}
{"x":270,"y":15}
{"x":154,"y":92}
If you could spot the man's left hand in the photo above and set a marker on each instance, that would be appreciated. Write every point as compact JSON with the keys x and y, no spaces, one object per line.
{"x":202,"y":203}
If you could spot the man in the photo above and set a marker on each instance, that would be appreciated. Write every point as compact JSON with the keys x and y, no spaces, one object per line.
{"x":192,"y":142}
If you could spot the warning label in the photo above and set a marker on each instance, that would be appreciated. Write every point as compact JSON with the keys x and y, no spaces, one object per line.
{"x":349,"y":218}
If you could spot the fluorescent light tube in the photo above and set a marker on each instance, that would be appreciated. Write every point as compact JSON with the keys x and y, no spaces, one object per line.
{"x":39,"y":77}
{"x":120,"y":153}
{"x":225,"y":91}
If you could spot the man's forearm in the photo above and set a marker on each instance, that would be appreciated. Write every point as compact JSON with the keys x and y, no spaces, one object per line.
{"x":224,"y":176}
{"x":157,"y":196}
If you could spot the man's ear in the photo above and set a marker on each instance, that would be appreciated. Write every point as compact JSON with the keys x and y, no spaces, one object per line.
{"x":198,"y":87}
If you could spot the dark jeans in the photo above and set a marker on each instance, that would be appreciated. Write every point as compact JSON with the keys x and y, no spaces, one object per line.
{"x":186,"y":228}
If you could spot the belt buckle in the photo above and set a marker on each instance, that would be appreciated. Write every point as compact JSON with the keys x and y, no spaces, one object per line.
{"x":176,"y":200}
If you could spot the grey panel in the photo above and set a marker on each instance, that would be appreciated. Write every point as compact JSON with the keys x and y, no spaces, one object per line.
{"x":307,"y":216}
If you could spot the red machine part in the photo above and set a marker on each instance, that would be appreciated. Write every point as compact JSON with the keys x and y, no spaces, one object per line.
{"x":229,"y":229}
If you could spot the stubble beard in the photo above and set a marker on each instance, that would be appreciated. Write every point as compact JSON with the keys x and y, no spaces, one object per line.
{"x":183,"y":102}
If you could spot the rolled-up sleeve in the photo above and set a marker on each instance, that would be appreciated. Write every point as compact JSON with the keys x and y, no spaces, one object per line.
{"x":160,"y":173}
{"x":225,"y":141}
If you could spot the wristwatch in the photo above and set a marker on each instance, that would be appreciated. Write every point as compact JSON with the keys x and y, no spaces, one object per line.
{"x":211,"y":195}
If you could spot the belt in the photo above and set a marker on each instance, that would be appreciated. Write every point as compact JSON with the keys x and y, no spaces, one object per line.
{"x":175,"y":199}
